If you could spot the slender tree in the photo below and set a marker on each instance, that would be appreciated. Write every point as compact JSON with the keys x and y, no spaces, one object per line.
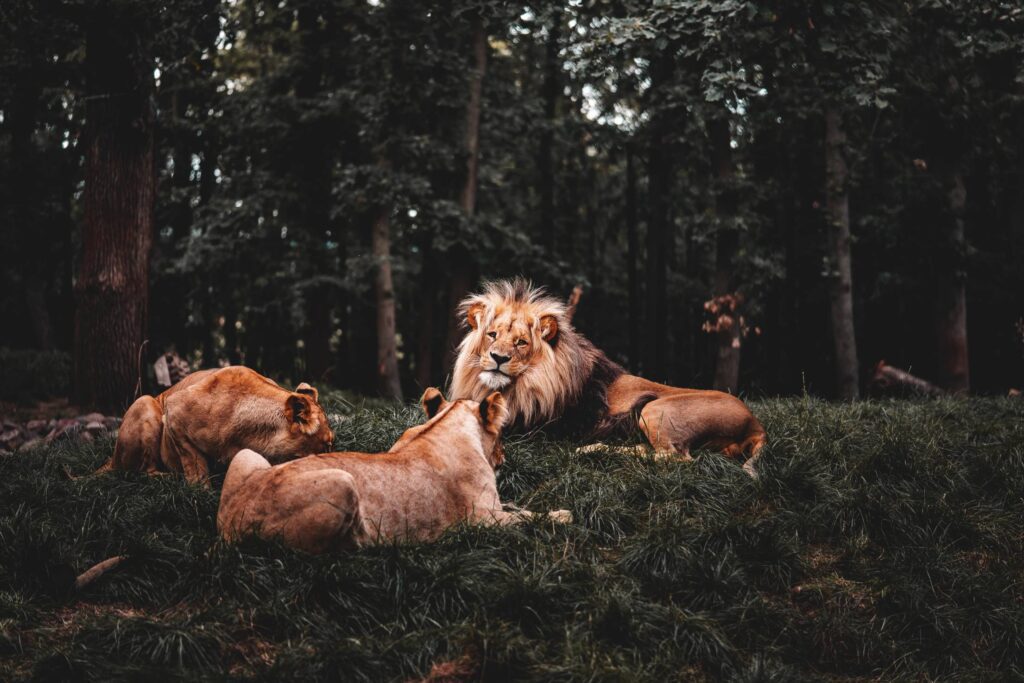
{"x":837,"y":213}
{"x":729,"y":335}
{"x":463,"y":267}
{"x":660,"y":235}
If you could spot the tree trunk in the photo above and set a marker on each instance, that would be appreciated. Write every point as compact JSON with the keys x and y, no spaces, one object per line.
{"x":462,"y":265}
{"x":841,"y":277}
{"x":112,"y":284}
{"x":632,"y":256}
{"x":729,"y":337}
{"x":388,"y":383}
{"x":313,"y":177}
{"x":954,"y":371}
{"x":660,"y":237}
{"x":545,"y":156}
{"x":425,"y":332}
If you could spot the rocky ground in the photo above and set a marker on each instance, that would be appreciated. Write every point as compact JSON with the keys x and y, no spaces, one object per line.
{"x":25,"y":435}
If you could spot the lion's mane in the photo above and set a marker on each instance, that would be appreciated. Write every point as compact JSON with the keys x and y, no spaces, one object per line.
{"x":568,"y":378}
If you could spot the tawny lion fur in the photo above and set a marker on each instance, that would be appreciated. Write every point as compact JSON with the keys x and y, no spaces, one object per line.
{"x":436,"y":475}
{"x":211,"y":415}
{"x":520,"y":341}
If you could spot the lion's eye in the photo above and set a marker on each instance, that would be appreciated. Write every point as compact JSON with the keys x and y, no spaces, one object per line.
{"x":521,"y":343}
{"x":492,"y":335}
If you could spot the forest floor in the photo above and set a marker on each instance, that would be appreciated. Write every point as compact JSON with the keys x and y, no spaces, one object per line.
{"x":882,"y":540}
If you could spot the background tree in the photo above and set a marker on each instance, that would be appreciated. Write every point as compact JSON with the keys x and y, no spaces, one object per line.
{"x":662,"y":156}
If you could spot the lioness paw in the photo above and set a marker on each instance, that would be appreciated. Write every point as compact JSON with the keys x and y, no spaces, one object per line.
{"x":560,"y":516}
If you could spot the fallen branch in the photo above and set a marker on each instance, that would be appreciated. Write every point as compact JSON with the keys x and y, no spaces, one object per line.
{"x":887,"y":377}
{"x":97,"y":570}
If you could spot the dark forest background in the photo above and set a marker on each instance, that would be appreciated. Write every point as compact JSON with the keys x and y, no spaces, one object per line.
{"x":766,"y":197}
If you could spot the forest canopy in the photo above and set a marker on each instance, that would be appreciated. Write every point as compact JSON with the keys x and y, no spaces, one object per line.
{"x":765,"y":197}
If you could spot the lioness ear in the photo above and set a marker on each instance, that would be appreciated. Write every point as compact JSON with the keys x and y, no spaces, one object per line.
{"x":432,"y":402}
{"x":493,"y":412}
{"x":548,"y":327}
{"x":308,"y":391}
{"x":297,"y":409}
{"x":473,"y":315}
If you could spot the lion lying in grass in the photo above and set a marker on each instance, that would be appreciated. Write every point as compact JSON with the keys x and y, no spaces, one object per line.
{"x":520,"y":342}
{"x":211,"y":415}
{"x":436,"y":475}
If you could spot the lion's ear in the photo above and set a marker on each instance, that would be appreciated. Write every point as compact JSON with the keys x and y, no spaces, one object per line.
{"x":308,"y":391}
{"x":548,"y":327}
{"x":297,"y":410}
{"x":493,"y":412}
{"x":432,"y":402}
{"x":474,"y":314}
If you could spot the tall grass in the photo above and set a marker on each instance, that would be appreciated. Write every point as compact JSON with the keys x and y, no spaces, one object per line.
{"x":882,"y":540}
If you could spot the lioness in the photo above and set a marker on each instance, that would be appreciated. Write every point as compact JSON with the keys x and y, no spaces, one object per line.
{"x":436,"y":475}
{"x":520,"y":341}
{"x":211,"y":415}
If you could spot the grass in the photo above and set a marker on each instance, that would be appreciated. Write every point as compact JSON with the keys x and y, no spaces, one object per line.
{"x":884,"y":540}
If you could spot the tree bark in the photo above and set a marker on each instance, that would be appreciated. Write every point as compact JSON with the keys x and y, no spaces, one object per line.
{"x":841,"y":277}
{"x":545,"y":156}
{"x":462,"y":265}
{"x":388,"y":382}
{"x":112,"y":284}
{"x":729,"y":338}
{"x":632,"y":256}
{"x":954,"y":370}
{"x":425,"y":333}
{"x":660,"y":237}
{"x":313,"y":177}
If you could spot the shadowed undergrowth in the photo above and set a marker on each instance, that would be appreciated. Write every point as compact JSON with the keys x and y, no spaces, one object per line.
{"x":883,"y":539}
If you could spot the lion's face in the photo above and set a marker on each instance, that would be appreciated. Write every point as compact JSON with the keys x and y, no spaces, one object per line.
{"x":509,"y":341}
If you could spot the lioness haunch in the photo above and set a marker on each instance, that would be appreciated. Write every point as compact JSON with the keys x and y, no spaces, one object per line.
{"x":436,"y":475}
{"x":211,"y":415}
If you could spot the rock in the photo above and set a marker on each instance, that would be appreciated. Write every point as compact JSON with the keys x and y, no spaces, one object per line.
{"x":95,"y":428}
{"x":35,"y":425}
{"x":32,"y":444}
{"x":67,"y":426}
{"x":11,"y":439}
{"x":91,"y":417}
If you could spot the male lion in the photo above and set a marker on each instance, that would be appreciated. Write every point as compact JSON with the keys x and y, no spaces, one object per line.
{"x":436,"y":475}
{"x":213,"y":414}
{"x":520,"y":342}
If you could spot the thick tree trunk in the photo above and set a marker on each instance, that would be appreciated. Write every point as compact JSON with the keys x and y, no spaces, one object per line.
{"x":112,"y":284}
{"x":632,"y":256}
{"x":660,"y":237}
{"x":841,"y":277}
{"x":462,"y":266}
{"x":545,"y":155}
{"x":388,"y":382}
{"x":729,"y":337}
{"x":954,"y":371}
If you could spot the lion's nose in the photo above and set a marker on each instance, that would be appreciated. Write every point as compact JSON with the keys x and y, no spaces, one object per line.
{"x":499,"y":359}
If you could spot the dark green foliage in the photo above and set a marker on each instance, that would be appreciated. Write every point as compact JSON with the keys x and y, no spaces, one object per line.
{"x":34,"y":374}
{"x":882,"y":540}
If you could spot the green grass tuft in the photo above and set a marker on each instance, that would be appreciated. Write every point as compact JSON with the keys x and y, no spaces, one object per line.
{"x":882,"y":540}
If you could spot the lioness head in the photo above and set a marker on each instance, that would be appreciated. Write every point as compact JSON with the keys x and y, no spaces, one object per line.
{"x":308,"y":428}
{"x":478,"y":420}
{"x":519,"y":341}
